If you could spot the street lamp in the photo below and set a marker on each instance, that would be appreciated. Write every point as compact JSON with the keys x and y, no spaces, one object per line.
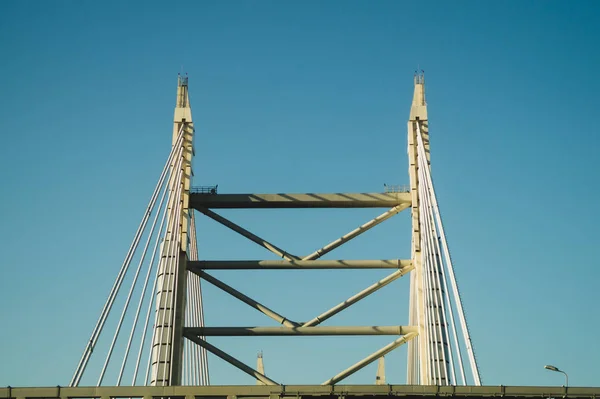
{"x":554,"y":368}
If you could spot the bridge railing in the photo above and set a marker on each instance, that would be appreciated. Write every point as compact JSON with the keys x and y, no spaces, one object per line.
{"x":212,"y":190}
{"x":304,"y":391}
{"x":396,"y":188}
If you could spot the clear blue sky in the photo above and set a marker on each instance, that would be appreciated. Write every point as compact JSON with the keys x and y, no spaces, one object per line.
{"x":306,"y":97}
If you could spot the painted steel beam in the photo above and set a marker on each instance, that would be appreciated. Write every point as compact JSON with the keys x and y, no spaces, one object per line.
{"x":291,"y":331}
{"x":247,"y":300}
{"x":355,"y":298}
{"x":231,"y":360}
{"x":356,"y":232}
{"x":306,"y":391}
{"x":252,"y":237}
{"x":297,"y":264}
{"x":370,"y":359}
{"x":309,"y":200}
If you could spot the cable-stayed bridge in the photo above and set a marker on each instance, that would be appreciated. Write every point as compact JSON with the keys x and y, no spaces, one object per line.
{"x":160,"y":312}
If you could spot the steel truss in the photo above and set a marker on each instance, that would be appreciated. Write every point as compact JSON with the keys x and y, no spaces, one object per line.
{"x":178,"y":352}
{"x":201,"y":202}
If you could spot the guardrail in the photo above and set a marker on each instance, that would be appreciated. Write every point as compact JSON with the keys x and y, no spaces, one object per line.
{"x":303,"y":391}
{"x":211,"y":190}
{"x":396,"y":188}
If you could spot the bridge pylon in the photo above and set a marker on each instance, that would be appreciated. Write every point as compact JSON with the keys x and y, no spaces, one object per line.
{"x":435,"y":356}
{"x":167,"y":340}
{"x":179,"y":338}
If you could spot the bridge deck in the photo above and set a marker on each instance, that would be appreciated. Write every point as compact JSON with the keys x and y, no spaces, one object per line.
{"x":297,"y":391}
{"x":308,"y":200}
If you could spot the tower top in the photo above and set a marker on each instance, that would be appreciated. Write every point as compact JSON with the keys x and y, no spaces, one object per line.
{"x":420,"y":77}
{"x":418,"y":110}
{"x":260,"y":367}
{"x":183,"y":112}
{"x":182,"y":80}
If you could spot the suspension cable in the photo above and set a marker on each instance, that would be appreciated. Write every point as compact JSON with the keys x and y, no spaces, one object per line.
{"x":433,"y":251}
{"x":426,"y":310}
{"x":429,"y":265}
{"x":425,"y":193}
{"x":188,"y":323}
{"x":121,"y":275}
{"x":197,"y":299}
{"x":165,"y":251}
{"x":178,"y":275}
{"x":173,"y":199}
{"x":192,"y":283}
{"x":434,"y":281}
{"x":201,"y":364}
{"x":125,"y":308}
{"x":127,"y":301}
{"x":412,"y":373}
{"x":170,"y":264}
{"x":152,"y":292}
{"x":175,"y":276}
{"x":171,"y":278}
{"x":197,"y":354}
{"x":203,"y":352}
{"x":433,"y":312}
{"x":445,"y":285}
{"x":195,"y":348}
{"x":145,"y":286}
{"x":458,"y":301}
{"x":420,"y":315}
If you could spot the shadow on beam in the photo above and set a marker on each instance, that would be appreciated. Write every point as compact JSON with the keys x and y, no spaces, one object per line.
{"x":265,"y":201}
{"x":287,"y":331}
{"x":297,"y":264}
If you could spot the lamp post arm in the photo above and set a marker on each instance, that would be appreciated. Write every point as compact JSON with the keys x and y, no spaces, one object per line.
{"x":566,"y":377}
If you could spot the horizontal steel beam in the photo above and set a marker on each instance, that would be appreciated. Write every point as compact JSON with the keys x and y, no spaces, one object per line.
{"x":305,"y":391}
{"x":309,"y":200}
{"x":285,"y":331}
{"x":297,"y":264}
